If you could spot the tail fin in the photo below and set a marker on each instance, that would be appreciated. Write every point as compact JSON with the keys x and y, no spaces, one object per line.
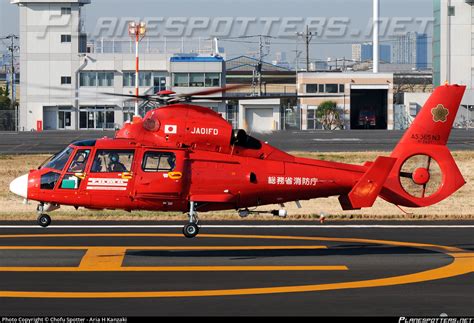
{"x":425,"y":172}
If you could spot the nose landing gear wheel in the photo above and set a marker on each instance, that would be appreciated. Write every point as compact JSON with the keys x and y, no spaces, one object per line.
{"x":44,"y":220}
{"x":190,"y":230}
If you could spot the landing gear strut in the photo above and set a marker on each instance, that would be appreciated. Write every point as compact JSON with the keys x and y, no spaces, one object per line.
{"x":191,"y":229}
{"x":43,"y":220}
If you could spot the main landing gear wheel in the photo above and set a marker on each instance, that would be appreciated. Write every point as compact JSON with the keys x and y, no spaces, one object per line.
{"x":190,"y":230}
{"x":44,"y":220}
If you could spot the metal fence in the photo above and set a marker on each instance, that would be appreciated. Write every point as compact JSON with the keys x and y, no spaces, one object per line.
{"x":8,"y":120}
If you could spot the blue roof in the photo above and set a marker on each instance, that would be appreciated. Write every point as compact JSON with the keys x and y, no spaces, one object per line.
{"x":197,"y":59}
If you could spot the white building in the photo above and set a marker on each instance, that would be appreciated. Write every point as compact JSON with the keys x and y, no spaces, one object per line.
{"x":56,"y":64}
{"x":453,"y":46}
{"x":357,"y":52}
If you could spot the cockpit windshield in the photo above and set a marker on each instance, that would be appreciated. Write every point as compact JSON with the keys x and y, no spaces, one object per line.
{"x":59,"y":160}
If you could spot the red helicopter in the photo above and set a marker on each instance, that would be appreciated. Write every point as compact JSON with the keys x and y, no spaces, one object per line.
{"x":187,"y":158}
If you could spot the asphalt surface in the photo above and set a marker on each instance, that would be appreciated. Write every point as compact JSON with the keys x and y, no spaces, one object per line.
{"x":49,"y":142}
{"x":279,"y":269}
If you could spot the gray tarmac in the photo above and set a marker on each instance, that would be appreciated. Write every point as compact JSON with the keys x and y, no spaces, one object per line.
{"x":262,"y":256}
{"x":49,"y":142}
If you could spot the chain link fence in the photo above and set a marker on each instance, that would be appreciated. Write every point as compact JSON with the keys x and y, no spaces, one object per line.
{"x":8,"y":120}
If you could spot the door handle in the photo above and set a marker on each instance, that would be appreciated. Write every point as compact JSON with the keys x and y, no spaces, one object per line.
{"x":126,"y":175}
{"x":175,"y":175}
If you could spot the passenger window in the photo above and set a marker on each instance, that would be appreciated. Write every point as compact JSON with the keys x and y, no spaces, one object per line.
{"x":79,"y":162}
{"x":158,"y":162}
{"x":113,"y":161}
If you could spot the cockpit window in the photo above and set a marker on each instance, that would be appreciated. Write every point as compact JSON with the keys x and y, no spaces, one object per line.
{"x":59,"y":160}
{"x":112,"y":161}
{"x":79,"y":162}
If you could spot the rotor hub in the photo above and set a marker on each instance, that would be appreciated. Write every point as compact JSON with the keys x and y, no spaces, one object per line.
{"x":421,"y":176}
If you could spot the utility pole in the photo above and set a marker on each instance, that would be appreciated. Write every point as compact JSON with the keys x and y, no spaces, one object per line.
{"x":12,"y":48}
{"x":308,"y":36}
{"x":262,"y":43}
{"x":260,"y":64}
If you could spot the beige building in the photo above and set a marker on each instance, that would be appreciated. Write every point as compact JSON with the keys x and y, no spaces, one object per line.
{"x":365,"y":100}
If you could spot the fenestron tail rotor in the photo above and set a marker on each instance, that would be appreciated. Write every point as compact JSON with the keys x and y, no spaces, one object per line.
{"x":421,"y":176}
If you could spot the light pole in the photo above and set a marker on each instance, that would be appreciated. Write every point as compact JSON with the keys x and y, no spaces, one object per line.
{"x":137,"y":31}
{"x":376,"y":22}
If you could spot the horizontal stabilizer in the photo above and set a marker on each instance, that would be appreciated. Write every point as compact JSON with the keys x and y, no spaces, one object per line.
{"x":365,"y":192}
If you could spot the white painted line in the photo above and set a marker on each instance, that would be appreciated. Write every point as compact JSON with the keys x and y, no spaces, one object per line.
{"x":242,"y":226}
{"x":337,"y":139}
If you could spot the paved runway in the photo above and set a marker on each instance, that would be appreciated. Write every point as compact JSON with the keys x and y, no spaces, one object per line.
{"x":246,"y":268}
{"x":314,"y":141}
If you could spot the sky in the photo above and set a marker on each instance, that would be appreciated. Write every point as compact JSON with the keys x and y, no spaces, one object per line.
{"x":359,"y":13}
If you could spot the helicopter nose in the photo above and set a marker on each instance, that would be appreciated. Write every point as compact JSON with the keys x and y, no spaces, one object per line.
{"x":19,"y":186}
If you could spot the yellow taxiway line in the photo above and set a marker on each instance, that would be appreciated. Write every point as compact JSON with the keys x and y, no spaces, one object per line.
{"x":462,"y":263}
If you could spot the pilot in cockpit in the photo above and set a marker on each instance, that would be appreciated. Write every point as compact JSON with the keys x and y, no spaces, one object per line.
{"x":79,"y":163}
{"x":115,"y":166}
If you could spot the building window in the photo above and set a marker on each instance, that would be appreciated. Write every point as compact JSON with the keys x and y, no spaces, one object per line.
{"x":65,"y":38}
{"x":64,"y":119}
{"x":325,"y":88}
{"x":159,"y":83}
{"x":213,"y":79}
{"x":129,"y":79}
{"x":65,"y":80}
{"x":233,"y":113}
{"x":332,"y":88}
{"x":65,"y":11}
{"x":97,"y":118}
{"x":105,"y":79}
{"x":196,"y":80}
{"x":101,"y":79}
{"x":311,"y":88}
{"x":312,"y":119}
{"x":451,"y":11}
{"x":181,"y":79}
{"x":144,"y":79}
{"x":88,"y":79}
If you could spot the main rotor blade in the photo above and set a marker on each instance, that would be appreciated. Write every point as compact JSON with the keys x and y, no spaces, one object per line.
{"x":151,"y":98}
{"x":212,"y":91}
{"x":264,"y":97}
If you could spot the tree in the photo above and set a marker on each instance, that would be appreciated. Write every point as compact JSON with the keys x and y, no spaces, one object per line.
{"x":329,"y":116}
{"x":5,"y":102}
